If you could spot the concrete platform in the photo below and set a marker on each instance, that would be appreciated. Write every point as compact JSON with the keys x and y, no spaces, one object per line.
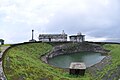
{"x":77,"y":68}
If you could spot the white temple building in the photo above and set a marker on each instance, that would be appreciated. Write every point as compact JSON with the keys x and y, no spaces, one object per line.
{"x":53,"y":37}
{"x":77,"y":38}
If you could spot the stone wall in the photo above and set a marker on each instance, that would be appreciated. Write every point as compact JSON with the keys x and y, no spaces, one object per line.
{"x":69,"y":48}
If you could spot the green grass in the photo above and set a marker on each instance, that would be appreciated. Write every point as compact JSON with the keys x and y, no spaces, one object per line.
{"x":6,"y":45}
{"x":23,"y":61}
{"x":115,"y":54}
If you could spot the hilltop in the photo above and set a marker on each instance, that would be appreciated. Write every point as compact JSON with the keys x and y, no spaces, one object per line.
{"x":25,"y":64}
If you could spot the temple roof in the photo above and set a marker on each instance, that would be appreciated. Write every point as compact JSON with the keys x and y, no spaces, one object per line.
{"x":76,"y":35}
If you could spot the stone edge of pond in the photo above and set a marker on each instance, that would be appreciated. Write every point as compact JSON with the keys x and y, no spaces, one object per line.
{"x":2,"y":74}
{"x":58,"y":50}
{"x":99,"y":66}
{"x":92,"y":69}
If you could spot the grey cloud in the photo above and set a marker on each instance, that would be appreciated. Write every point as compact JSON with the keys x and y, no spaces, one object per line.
{"x":104,"y":23}
{"x":94,"y":18}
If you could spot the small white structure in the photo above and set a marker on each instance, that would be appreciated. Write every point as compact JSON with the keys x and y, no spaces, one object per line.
{"x":77,"y":38}
{"x":53,"y":37}
{"x":77,"y":68}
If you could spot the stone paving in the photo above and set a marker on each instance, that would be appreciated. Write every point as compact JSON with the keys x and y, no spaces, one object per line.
{"x":2,"y":76}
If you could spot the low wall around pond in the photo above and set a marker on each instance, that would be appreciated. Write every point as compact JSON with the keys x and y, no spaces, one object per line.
{"x":69,"y":48}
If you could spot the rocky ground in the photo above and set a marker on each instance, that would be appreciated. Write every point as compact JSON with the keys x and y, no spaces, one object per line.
{"x":99,"y":66}
{"x":110,"y":75}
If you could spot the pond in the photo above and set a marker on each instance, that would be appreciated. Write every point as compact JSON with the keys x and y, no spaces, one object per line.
{"x":63,"y":61}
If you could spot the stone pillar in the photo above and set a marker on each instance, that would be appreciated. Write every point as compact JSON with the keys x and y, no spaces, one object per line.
{"x":63,"y":33}
{"x":32,"y":40}
{"x":32,"y":34}
{"x":83,"y":38}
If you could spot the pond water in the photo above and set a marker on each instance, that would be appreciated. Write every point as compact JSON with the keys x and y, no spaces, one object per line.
{"x":63,"y":61}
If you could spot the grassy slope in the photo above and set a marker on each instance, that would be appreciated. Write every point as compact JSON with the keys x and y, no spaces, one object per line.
{"x":25,"y":63}
{"x":115,"y":54}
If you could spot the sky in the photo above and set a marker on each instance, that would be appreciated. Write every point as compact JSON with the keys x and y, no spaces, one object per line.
{"x":99,"y":20}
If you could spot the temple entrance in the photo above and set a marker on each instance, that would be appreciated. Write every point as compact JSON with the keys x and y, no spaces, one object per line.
{"x":49,"y":39}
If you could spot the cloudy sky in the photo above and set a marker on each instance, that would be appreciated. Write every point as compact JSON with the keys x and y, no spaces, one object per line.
{"x":99,"y":20}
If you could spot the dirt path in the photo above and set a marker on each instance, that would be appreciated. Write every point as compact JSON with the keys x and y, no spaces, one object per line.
{"x":2,"y":76}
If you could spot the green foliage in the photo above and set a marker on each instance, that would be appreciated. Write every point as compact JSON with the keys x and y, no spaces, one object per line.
{"x":23,"y":63}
